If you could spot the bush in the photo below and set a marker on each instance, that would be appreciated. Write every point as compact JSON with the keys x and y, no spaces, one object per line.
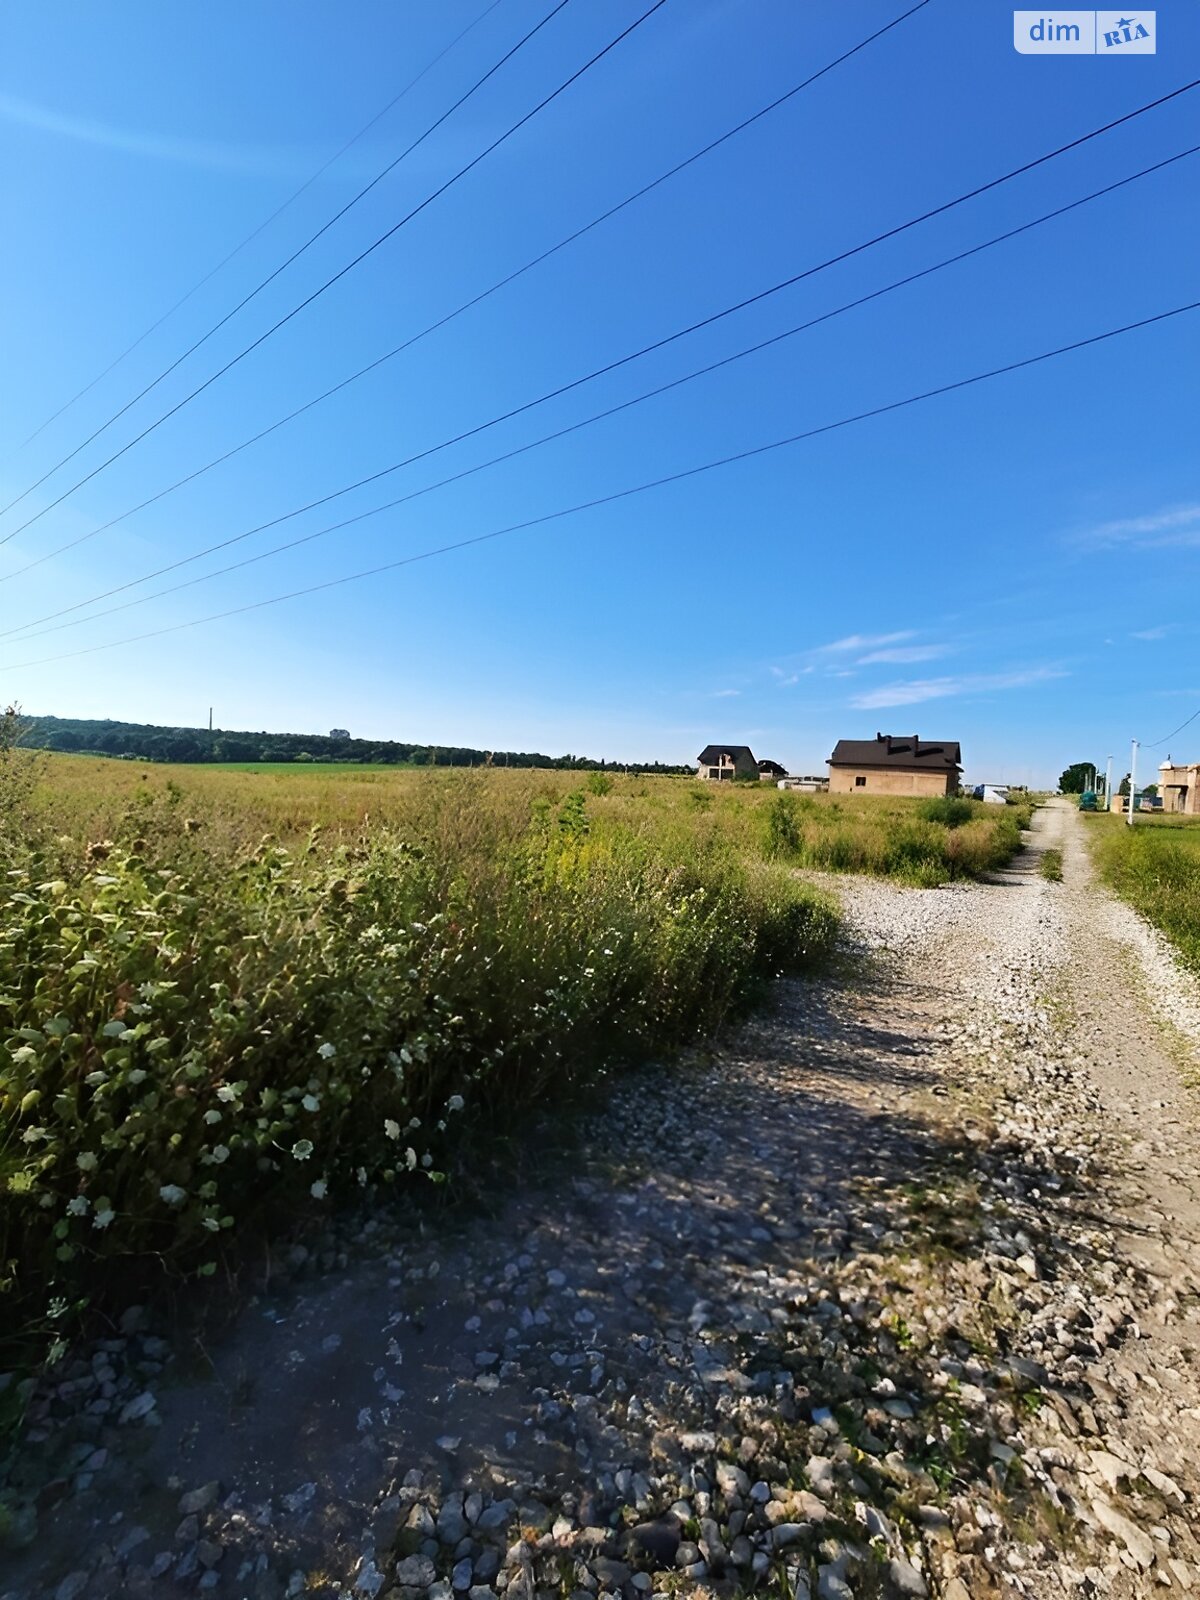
{"x":950,"y":811}
{"x":784,"y":833}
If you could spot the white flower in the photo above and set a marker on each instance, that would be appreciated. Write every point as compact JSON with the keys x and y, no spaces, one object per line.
{"x":86,"y":1162}
{"x":32,"y":1135}
{"x":79,"y":1206}
{"x":226,"y":1092}
{"x":327,"y":1051}
{"x":311,"y":1102}
{"x":212,"y":1224}
{"x":103,"y":1217}
{"x":410,"y":1158}
{"x":318,"y":1189}
{"x":220,"y":1153}
{"x":212,"y":1117}
{"x":172,"y":1194}
{"x":391,"y":1128}
{"x":302,"y":1149}
{"x":455,"y":1103}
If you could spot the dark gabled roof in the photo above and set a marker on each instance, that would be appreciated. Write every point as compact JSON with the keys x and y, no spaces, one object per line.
{"x":898,"y":750}
{"x":772,"y":766}
{"x":714,"y":752}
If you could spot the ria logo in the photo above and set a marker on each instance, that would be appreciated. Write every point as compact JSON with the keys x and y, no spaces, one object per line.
{"x":1084,"y":33}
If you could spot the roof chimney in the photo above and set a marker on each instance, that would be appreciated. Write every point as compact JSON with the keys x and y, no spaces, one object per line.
{"x":916,"y":745}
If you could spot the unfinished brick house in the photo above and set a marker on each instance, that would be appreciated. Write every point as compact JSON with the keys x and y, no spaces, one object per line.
{"x":1179,"y":787}
{"x":895,"y":764}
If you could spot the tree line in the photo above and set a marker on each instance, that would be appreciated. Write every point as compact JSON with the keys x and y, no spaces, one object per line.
{"x":147,"y":742}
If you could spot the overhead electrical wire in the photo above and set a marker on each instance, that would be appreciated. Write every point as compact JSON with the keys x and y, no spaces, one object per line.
{"x":1172,"y":733}
{"x":261,"y":228}
{"x":328,"y":283}
{"x":627,"y":359}
{"x":627,"y":493}
{"x":33,"y":629}
{"x":477,"y":299}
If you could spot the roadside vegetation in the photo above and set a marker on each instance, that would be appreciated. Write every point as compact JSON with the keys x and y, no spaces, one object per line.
{"x":227,"y":998}
{"x":1051,"y":866}
{"x":1155,"y":865}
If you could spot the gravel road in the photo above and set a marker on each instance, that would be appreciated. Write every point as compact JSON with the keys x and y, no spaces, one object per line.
{"x":891,"y":1292}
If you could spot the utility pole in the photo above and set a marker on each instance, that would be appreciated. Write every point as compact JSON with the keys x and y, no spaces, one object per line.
{"x":1132,"y":782}
{"x":1108,"y":786}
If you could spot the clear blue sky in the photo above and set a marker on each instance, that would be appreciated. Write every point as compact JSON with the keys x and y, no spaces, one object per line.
{"x":1014,"y":566}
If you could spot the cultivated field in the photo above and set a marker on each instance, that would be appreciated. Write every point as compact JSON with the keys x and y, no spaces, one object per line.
{"x":229,"y":995}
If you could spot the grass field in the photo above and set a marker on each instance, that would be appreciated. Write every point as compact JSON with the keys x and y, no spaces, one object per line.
{"x":228,"y":996}
{"x":1155,"y":865}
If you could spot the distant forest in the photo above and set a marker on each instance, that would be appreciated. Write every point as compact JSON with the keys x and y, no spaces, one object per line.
{"x":144,"y":742}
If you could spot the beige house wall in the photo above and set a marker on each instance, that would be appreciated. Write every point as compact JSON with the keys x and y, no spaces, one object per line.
{"x":1179,"y":787}
{"x":890,"y":780}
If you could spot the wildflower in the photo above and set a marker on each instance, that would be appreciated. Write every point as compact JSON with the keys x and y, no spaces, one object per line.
{"x":24,"y":1053}
{"x":455,"y":1103}
{"x":317,"y":1190}
{"x":227,"y":1093}
{"x":302,"y":1149}
{"x":172,"y":1194}
{"x":327,"y":1051}
{"x":32,"y":1135}
{"x":104,"y":1215}
{"x":220,"y":1153}
{"x":410,"y":1158}
{"x":391,"y":1128}
{"x":212,"y":1224}
{"x":86,"y":1162}
{"x":78,"y":1207}
{"x":311,"y":1103}
{"x":212,"y":1117}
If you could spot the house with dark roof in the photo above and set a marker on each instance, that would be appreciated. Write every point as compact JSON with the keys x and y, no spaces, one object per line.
{"x":771,"y":771}
{"x":895,"y":764}
{"x":726,"y":761}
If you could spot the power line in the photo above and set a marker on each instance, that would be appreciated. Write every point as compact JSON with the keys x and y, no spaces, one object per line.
{"x":1172,"y":733}
{"x":508,"y":455}
{"x":262,"y":227}
{"x":468,"y":305}
{"x":329,"y":282}
{"x":624,"y":494}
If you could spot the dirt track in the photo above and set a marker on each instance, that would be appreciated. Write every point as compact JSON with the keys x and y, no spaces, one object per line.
{"x":895,"y":1292}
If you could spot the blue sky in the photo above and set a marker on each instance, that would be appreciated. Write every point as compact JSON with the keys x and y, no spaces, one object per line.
{"x":1013,"y":565}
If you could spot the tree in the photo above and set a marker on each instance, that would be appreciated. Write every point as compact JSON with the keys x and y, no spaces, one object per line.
{"x":1076,"y":778}
{"x":1124,"y":789}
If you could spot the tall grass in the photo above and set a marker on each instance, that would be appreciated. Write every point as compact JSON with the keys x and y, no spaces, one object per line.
{"x":203,"y":1031}
{"x":1155,"y":865}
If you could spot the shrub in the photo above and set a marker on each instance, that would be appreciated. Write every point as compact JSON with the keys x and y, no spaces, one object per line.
{"x":784,"y":833}
{"x":949,"y":810}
